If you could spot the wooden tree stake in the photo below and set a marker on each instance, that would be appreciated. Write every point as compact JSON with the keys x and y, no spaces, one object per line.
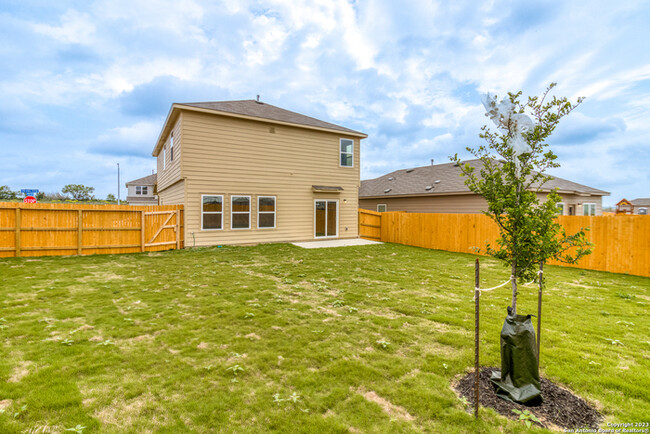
{"x":477,"y":294}
{"x":539,"y":310}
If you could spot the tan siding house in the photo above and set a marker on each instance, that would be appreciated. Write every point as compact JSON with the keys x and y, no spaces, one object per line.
{"x":440,"y":189}
{"x":250,"y":172}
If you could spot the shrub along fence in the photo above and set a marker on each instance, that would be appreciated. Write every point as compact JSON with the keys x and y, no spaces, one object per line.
{"x":621,"y":243}
{"x":47,"y":229}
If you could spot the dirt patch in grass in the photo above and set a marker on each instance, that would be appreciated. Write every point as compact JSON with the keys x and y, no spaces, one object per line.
{"x":123,"y":414}
{"x":5,"y":403}
{"x":101,"y":276}
{"x":20,"y":371}
{"x":328,"y":311}
{"x":394,"y":411}
{"x":559,"y":408}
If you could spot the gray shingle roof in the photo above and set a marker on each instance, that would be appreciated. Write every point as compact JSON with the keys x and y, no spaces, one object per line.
{"x":445,"y":179}
{"x":147,"y":180}
{"x":644,"y":201}
{"x":263,"y":110}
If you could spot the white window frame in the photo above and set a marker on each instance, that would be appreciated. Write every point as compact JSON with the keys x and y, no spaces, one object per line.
{"x":250,"y":210}
{"x":346,"y":153}
{"x":164,"y":157}
{"x":171,"y":146}
{"x":558,"y":207}
{"x":384,"y":205}
{"x":274,"y":212}
{"x":143,"y":190}
{"x":588,"y":204}
{"x":644,"y":209}
{"x":338,"y":209}
{"x":212,"y":212}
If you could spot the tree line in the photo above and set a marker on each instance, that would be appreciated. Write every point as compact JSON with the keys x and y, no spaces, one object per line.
{"x":69,"y":192}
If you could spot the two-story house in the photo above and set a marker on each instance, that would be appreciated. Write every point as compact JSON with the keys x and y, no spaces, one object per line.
{"x":250,"y":172}
{"x":141,"y":191}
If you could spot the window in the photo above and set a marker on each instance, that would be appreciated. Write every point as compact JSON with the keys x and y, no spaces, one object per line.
{"x":588,"y":209}
{"x":347,"y":153}
{"x":266,"y":212}
{"x":139,"y":189}
{"x":164,"y":157}
{"x":381,"y":207}
{"x":171,"y":147}
{"x":643,"y":211}
{"x":211,"y":212}
{"x":560,"y":208}
{"x":240,"y":212}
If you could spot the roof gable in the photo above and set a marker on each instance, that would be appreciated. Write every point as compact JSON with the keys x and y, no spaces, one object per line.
{"x":146,"y":180}
{"x":254,"y":110}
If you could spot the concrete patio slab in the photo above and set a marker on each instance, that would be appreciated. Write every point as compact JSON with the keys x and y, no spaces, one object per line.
{"x":335,"y":243}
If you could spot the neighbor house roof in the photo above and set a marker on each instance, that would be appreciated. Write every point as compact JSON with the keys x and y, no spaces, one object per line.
{"x":147,"y":180}
{"x":252,"y":109}
{"x":644,"y":201}
{"x":446,"y":178}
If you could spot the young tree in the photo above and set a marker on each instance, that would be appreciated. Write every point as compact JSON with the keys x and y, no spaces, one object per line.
{"x":6,"y":193}
{"x":110,"y":197}
{"x":79,"y":191}
{"x":513,"y":169}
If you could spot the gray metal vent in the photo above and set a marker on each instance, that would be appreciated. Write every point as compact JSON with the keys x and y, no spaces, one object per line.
{"x":387,"y":190}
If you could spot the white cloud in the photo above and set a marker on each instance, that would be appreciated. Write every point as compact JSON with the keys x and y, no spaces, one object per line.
{"x":407,"y":76}
{"x":75,"y":27}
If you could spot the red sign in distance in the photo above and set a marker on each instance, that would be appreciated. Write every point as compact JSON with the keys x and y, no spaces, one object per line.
{"x":29,"y":199}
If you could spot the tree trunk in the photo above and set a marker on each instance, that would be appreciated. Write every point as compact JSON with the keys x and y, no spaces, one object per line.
{"x":514,"y":287}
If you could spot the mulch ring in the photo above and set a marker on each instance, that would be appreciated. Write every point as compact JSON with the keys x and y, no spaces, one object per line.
{"x":560,"y":408}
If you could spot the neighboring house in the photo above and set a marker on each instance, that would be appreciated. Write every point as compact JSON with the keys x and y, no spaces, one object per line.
{"x":141,"y":191}
{"x":636,"y":206}
{"x":440,"y":188}
{"x":250,"y":172}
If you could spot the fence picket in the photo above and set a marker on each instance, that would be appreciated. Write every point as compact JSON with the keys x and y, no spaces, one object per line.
{"x":621,"y":243}
{"x":67,"y":229}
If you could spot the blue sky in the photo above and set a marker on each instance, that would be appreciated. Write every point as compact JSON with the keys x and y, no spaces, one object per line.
{"x":87,"y":84}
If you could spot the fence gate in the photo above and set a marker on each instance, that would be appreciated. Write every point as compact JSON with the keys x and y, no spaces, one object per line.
{"x":170,"y":220}
{"x":369,"y":224}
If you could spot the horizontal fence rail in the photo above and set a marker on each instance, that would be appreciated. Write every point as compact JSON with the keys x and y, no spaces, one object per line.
{"x":47,"y":229}
{"x":621,"y":243}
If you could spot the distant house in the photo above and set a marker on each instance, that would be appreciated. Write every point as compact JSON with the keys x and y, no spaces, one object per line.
{"x":440,"y":188}
{"x":250,"y":172}
{"x":634,"y":207}
{"x":141,"y":191}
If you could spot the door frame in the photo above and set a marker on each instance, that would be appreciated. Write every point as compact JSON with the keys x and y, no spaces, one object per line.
{"x":337,"y":218}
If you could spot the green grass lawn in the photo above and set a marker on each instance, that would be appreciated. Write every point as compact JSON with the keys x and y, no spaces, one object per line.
{"x":275,"y":337}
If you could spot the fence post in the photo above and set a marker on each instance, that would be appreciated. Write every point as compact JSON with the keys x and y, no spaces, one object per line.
{"x":142,"y":230}
{"x":178,"y":228}
{"x":18,"y":223}
{"x":80,"y":232}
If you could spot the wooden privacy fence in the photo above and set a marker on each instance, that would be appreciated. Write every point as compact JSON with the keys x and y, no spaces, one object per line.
{"x":47,"y":229}
{"x":621,"y":243}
